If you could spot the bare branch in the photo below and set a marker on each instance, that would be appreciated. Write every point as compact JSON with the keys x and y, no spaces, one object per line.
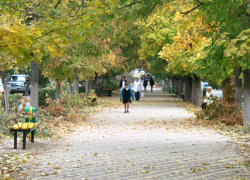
{"x":77,"y":11}
{"x":15,"y":8}
{"x":131,"y":4}
{"x":187,"y":12}
{"x":58,"y":2}
{"x":28,"y":8}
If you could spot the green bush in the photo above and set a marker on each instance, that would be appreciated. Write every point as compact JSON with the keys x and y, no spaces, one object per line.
{"x":4,"y":130}
{"x":75,"y":100}
{"x":111,"y":83}
{"x":81,"y":89}
{"x":14,"y":102}
{"x":204,"y":92}
{"x":42,"y":96}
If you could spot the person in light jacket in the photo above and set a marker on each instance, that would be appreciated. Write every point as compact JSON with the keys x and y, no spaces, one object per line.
{"x":137,"y":87}
{"x":125,"y":97}
{"x":208,"y":98}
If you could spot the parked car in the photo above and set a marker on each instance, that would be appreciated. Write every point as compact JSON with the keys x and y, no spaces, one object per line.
{"x":19,"y":83}
{"x":1,"y":87}
{"x":205,"y":86}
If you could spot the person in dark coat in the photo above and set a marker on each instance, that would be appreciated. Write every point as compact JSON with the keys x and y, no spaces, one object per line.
{"x":126,"y":94}
{"x":152,"y":83}
{"x":122,"y":83}
{"x":145,"y":83}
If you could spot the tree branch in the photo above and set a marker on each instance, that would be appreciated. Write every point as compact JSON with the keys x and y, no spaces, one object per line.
{"x":15,"y":8}
{"x":131,"y":4}
{"x":144,"y":18}
{"x":28,"y":8}
{"x":58,"y":2}
{"x":187,"y":12}
{"x":77,"y":11}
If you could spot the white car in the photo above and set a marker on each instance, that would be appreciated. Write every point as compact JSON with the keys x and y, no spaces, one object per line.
{"x":1,"y":87}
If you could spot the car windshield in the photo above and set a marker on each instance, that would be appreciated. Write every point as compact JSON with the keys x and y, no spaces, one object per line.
{"x":17,"y":78}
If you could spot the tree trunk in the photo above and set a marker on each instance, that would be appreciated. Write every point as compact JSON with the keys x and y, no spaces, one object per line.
{"x":86,"y":87}
{"x":173,"y":84}
{"x":105,"y":79}
{"x":193,"y":91}
{"x":188,"y":89}
{"x":58,"y":89}
{"x":94,"y":83}
{"x":170,"y":82}
{"x":180,"y":86}
{"x":98,"y":85}
{"x":76,"y":85}
{"x":90,"y":85}
{"x":183,"y":85}
{"x":34,"y":85}
{"x":224,"y":83}
{"x":69,"y":91}
{"x":238,"y":86}
{"x":6,"y":99}
{"x":246,"y":112}
{"x":198,"y":93}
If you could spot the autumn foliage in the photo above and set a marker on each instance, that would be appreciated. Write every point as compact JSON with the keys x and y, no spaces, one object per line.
{"x":224,"y":111}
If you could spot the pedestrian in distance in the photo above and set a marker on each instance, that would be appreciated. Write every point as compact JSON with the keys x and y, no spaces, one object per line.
{"x":126,"y":94}
{"x":152,"y":83}
{"x":145,"y":83}
{"x":137,"y":87}
{"x":122,"y":83}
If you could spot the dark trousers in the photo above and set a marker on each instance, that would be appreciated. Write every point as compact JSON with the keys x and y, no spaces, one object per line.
{"x":137,"y":96}
{"x":203,"y":106}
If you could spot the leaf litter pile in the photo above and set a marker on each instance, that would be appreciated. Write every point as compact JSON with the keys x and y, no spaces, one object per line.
{"x":60,"y":128}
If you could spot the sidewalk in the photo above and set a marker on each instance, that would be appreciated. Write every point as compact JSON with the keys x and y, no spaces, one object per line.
{"x":153,"y":141}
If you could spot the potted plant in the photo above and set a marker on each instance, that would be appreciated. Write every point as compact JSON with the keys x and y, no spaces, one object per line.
{"x":92,"y":95}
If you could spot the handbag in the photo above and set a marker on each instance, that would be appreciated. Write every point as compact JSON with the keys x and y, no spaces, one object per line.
{"x":142,"y":94}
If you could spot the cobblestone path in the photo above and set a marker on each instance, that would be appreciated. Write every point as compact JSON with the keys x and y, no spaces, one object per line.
{"x":153,"y":141}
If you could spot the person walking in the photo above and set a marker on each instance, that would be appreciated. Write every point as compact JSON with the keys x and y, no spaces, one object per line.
{"x":122,"y":83}
{"x":137,"y":87}
{"x":145,"y":83}
{"x":152,"y":83}
{"x":126,"y":94}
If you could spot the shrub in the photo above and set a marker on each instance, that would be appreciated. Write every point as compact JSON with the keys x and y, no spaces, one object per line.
{"x":204,"y":92}
{"x":223,"y":111}
{"x":4,"y":131}
{"x":228,"y":93}
{"x":111,"y":83}
{"x":43,"y":94}
{"x":82,"y":89}
{"x":75,"y":100}
{"x":14,"y":102}
{"x":67,"y":103}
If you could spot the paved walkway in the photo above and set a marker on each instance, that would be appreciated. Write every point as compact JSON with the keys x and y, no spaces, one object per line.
{"x":153,"y":141}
